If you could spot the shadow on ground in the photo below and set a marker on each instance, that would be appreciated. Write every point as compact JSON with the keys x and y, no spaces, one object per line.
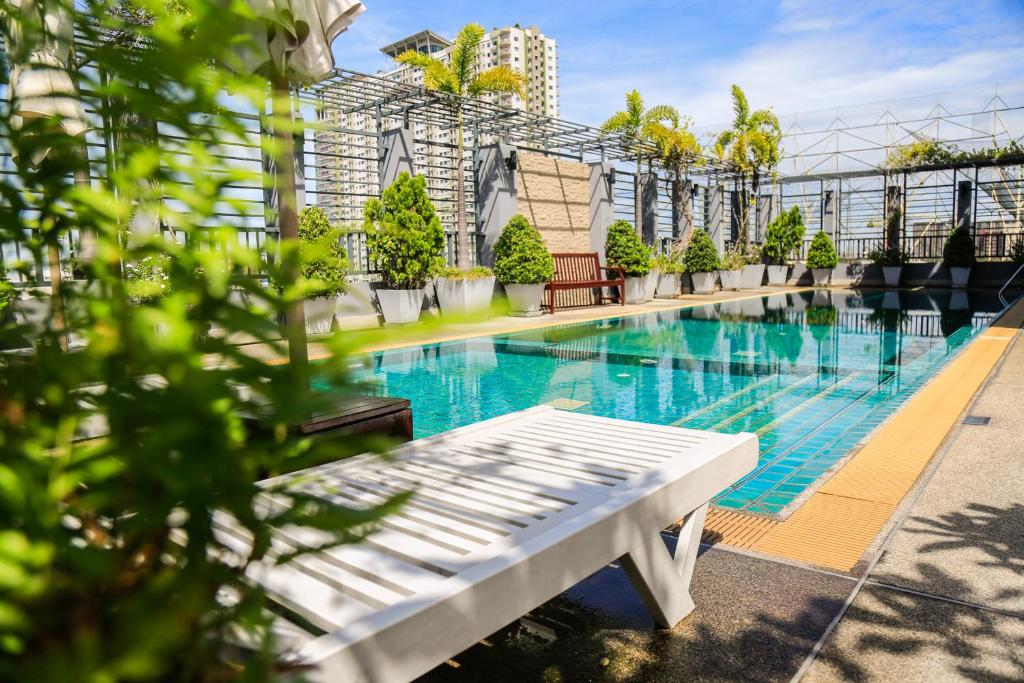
{"x":755,"y":620}
{"x":975,"y":556}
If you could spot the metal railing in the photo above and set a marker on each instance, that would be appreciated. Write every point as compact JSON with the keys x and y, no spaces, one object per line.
{"x":354,"y":244}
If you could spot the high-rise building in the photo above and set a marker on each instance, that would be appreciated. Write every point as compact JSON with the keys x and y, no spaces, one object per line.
{"x":346,"y":160}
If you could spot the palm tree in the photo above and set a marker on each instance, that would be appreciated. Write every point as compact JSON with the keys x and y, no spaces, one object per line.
{"x":678,"y":148}
{"x":752,"y":146}
{"x":460,"y":78}
{"x":636,"y":126}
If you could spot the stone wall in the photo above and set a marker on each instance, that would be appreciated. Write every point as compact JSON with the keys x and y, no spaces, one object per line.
{"x":554,"y":195}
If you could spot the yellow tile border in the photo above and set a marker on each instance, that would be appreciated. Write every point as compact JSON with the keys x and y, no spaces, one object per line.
{"x":839,"y":521}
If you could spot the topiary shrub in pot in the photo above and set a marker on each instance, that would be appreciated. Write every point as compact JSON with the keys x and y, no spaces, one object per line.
{"x":730,"y":272}
{"x":464,"y":292}
{"x":670,"y":274}
{"x":324,"y":266}
{"x":958,"y":255}
{"x":784,"y":234}
{"x":405,"y":240}
{"x":624,"y":249}
{"x":822,"y":258}
{"x":701,"y":262}
{"x":523,"y":265}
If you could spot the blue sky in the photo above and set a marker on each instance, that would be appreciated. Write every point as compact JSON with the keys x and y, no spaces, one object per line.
{"x":793,"y":55}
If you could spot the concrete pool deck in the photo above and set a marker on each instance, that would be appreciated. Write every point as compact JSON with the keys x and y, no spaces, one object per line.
{"x":943,"y":601}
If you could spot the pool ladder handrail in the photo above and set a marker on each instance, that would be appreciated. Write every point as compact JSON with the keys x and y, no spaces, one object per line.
{"x":1008,"y":282}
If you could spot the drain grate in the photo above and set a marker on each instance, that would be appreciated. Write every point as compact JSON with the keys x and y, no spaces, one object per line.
{"x":979,"y":420}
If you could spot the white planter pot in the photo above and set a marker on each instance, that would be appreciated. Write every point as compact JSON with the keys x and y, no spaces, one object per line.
{"x":753,"y":276}
{"x":525,"y":300}
{"x":400,"y":306}
{"x":703,"y":283}
{"x":651,"y":284}
{"x":636,"y":289}
{"x":960,"y":277}
{"x":731,"y":279}
{"x":461,"y":296}
{"x":668,"y":285}
{"x":822,"y":276}
{"x":777,"y":275}
{"x":319,"y":314}
{"x":892,"y":275}
{"x":891,"y":301}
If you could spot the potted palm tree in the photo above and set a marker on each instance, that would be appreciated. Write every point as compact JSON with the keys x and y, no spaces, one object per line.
{"x":463,"y":292}
{"x":701,"y":262}
{"x":752,"y":146}
{"x":670,"y":269}
{"x":460,"y":78}
{"x":624,"y":249}
{"x":822,"y":258}
{"x":958,"y":255}
{"x":783,"y":235}
{"x":678,"y":148}
{"x":523,"y":266}
{"x":405,"y":240}
{"x":730,"y":271}
{"x":638,"y":126}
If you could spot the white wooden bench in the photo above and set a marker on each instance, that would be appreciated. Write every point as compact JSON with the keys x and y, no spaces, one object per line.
{"x":507,"y":514}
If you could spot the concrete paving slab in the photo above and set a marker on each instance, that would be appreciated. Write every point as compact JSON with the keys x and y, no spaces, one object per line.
{"x":756,"y":620}
{"x":889,"y":635}
{"x":964,"y":537}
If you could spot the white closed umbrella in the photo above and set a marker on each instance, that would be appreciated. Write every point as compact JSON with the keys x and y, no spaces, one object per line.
{"x":40,"y":84}
{"x":290,"y":42}
{"x":42,"y":38}
{"x":293,"y":37}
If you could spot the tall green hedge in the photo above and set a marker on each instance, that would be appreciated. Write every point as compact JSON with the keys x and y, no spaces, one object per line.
{"x":624,"y":248}
{"x":701,"y":255}
{"x":958,"y":252}
{"x":784,"y":234}
{"x":520,"y":257}
{"x":822,"y":252}
{"x":404,"y":235}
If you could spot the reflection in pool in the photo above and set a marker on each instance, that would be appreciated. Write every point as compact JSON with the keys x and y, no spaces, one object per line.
{"x":810,"y":373}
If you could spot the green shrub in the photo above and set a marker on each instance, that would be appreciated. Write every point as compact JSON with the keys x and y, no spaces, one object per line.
{"x":893,"y":256}
{"x":701,"y":255}
{"x":670,"y":264}
{"x":958,"y":252}
{"x":7,"y":291}
{"x":733,"y":259}
{"x":520,"y":257}
{"x":784,"y":234}
{"x":472,"y":274}
{"x":323,"y":261}
{"x":822,"y":252}
{"x":624,"y":249}
{"x":404,"y":235}
{"x":1017,"y":251}
{"x":752,"y":256}
{"x":148,"y":280}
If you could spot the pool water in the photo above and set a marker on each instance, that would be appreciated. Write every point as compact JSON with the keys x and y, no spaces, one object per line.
{"x":811,"y":373}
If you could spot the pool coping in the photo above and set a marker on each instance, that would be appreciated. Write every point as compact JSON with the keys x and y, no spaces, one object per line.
{"x":609,"y":312}
{"x":840,"y":519}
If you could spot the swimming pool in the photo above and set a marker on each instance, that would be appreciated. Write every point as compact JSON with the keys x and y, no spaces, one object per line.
{"x":811,"y":373}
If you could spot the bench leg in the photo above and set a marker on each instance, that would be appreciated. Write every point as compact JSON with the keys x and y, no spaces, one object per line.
{"x":662,"y":579}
